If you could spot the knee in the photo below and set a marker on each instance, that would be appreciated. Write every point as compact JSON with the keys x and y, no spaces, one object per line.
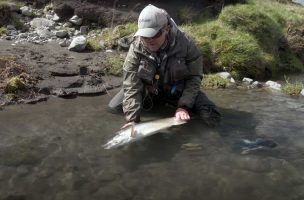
{"x":210,"y":116}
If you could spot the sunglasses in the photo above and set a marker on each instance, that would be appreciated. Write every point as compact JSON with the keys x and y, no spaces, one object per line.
{"x":157,"y":35}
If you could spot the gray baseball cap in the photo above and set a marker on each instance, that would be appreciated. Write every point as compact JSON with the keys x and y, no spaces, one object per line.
{"x":150,"y":21}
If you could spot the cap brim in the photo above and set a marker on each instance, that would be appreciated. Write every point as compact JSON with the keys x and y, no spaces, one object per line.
{"x":147,"y":32}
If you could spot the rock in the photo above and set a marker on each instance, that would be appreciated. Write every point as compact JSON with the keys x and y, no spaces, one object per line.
{"x":34,"y":100}
{"x":76,"y":20}
{"x":65,"y":43}
{"x":273,"y":85}
{"x":42,"y":23}
{"x":44,"y":33}
{"x":78,"y":44}
{"x":10,"y":27}
{"x":247,"y":81}
{"x":26,"y":11}
{"x":56,"y":18}
{"x":60,"y":82}
{"x":84,"y":30}
{"x":256,"y":84}
{"x":61,"y":92}
{"x":61,"y":34}
{"x":302,"y":92}
{"x":225,"y":75}
{"x":67,"y":25}
{"x":125,"y":42}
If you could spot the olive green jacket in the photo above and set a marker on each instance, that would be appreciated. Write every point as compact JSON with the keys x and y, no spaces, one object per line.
{"x":180,"y":64}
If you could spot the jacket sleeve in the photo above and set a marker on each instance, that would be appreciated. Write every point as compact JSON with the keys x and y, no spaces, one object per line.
{"x":132,"y":87}
{"x":193,"y":81}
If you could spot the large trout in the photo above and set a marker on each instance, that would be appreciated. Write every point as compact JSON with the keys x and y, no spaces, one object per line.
{"x":135,"y":132}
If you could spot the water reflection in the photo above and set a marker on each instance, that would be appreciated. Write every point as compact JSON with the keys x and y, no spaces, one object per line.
{"x":52,"y":150}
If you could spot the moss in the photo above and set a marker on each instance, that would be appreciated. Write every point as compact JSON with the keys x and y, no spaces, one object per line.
{"x":214,"y":81}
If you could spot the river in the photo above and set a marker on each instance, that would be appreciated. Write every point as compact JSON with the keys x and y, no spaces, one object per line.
{"x":53,"y":150}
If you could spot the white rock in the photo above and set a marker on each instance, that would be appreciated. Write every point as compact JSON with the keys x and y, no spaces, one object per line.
{"x":256,"y":84}
{"x":273,"y":85}
{"x":232,"y":80}
{"x":247,"y":80}
{"x":78,"y":44}
{"x":225,"y":75}
{"x":26,"y":11}
{"x":42,"y":22}
{"x":302,"y":92}
{"x":56,"y":18}
{"x":76,"y":20}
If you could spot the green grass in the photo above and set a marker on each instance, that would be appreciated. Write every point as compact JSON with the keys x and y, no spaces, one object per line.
{"x":246,"y":40}
{"x":3,"y":31}
{"x":115,"y":66}
{"x":110,"y":36}
{"x":293,"y":89}
{"x":214,"y":82}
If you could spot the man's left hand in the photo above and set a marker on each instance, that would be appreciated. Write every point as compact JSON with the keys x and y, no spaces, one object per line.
{"x":182,"y":114}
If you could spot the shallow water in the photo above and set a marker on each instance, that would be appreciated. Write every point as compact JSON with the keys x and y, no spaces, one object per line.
{"x":52,"y":150}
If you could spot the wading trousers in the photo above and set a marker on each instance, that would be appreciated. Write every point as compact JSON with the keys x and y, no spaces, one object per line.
{"x":203,"y":107}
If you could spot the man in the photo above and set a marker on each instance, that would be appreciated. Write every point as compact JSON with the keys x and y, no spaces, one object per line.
{"x":165,"y":66}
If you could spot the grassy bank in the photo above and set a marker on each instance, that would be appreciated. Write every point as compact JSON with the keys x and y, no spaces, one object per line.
{"x":259,"y":40}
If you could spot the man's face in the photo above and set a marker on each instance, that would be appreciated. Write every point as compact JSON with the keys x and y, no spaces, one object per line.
{"x":155,"y":42}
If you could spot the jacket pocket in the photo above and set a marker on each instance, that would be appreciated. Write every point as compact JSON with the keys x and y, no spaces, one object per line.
{"x":178,"y":69}
{"x":146,"y":71}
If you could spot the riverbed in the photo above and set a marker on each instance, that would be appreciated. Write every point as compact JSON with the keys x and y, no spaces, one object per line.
{"x":53,"y":150}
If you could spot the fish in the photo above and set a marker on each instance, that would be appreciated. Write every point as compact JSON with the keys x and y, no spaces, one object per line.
{"x":257,"y":144}
{"x":138,"y":131}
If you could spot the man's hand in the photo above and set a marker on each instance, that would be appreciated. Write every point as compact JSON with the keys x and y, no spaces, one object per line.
{"x":128,"y":124}
{"x":182,"y":114}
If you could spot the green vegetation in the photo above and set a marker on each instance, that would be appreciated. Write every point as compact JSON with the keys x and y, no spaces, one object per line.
{"x":214,"y":82}
{"x":115,"y":66}
{"x":107,"y":38}
{"x":256,"y":40}
{"x":18,"y":3}
{"x":14,"y":84}
{"x":293,"y":89}
{"x":3,"y":31}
